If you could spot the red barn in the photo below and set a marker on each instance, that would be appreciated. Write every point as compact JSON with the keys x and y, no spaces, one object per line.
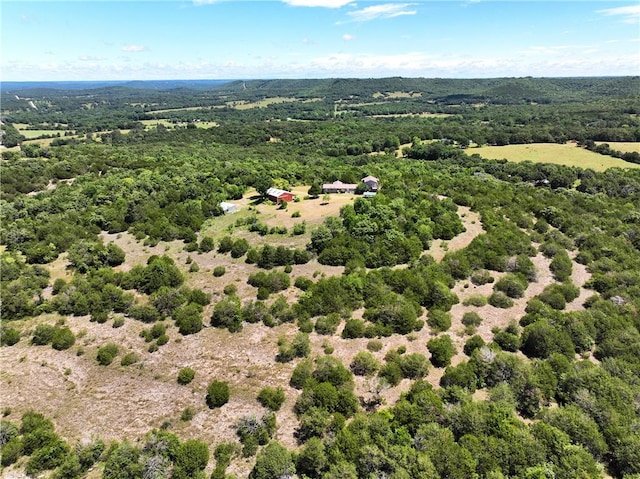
{"x":274,"y":194}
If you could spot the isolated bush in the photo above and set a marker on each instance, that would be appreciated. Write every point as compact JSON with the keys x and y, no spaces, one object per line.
{"x":364,"y":364}
{"x":391,"y":373}
{"x":129,"y":359}
{"x":206,"y":244}
{"x":442,"y":350}
{"x":186,"y":375}
{"x":475,"y":300}
{"x":271,"y":397}
{"x":374,"y":345}
{"x":217,"y":394}
{"x":471,"y":318}
{"x":107,"y":353}
{"x":481,"y":277}
{"x":414,"y":366}
{"x":512,"y":285}
{"x":500,"y":300}
{"x":219,"y":271}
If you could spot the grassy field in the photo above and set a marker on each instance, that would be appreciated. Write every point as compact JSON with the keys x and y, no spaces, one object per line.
{"x":568,"y":154}
{"x":623,"y":146}
{"x":242,"y":105}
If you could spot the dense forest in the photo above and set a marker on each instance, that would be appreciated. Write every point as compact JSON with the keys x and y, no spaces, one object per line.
{"x":386,"y":346}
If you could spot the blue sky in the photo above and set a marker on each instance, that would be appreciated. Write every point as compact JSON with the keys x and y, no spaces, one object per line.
{"x":218,"y":39}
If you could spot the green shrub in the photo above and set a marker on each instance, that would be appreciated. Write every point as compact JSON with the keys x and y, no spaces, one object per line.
{"x":107,"y":353}
{"x":442,"y":350}
{"x":43,"y":334}
{"x":477,"y":300}
{"x":8,"y":336}
{"x":194,"y":268}
{"x":188,"y":414}
{"x":118,"y":322}
{"x":414,"y":366}
{"x":507,"y":341}
{"x":439,"y":320}
{"x":391,"y":373}
{"x":512,"y":285}
{"x":500,"y":300}
{"x":186,"y":375}
{"x":129,"y":359}
{"x":473,"y":343}
{"x":192,"y":457}
{"x":230,"y":289}
{"x":481,"y":277}
{"x":364,"y":364}
{"x":219,"y":271}
{"x":147,"y":313}
{"x":206,"y":244}
{"x":354,"y":328}
{"x":11,"y":451}
{"x":239,"y":248}
{"x":217,"y":394}
{"x":301,"y":373}
{"x":374,"y":345}
{"x":303,"y":283}
{"x":327,"y":325}
{"x":271,"y":398}
{"x":471,"y":318}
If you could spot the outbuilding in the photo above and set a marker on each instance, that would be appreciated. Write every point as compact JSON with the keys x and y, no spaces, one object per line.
{"x":372,"y":182}
{"x":228,"y":208}
{"x":277,"y":195}
{"x":339,"y":187}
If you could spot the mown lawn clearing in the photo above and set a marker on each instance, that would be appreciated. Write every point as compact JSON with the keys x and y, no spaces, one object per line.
{"x":568,"y":154}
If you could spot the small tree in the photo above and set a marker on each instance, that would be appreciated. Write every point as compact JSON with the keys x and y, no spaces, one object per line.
{"x":315,"y":190}
{"x":107,"y":353}
{"x":186,"y":375}
{"x":442,"y":350}
{"x":217,"y":394}
{"x":272,"y":398}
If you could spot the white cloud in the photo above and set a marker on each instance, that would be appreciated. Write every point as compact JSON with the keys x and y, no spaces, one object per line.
{"x":347,"y":37}
{"x":134,"y":48}
{"x":90,"y":58}
{"x":631,"y":13}
{"x":317,"y":3}
{"x":386,"y":10}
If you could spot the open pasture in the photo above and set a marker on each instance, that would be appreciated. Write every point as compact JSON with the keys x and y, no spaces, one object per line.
{"x":623,"y":146}
{"x":568,"y":154}
{"x":245,"y":105}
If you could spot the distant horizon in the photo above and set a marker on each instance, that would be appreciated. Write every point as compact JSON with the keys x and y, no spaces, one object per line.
{"x":139,"y":40}
{"x":231,"y":80}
